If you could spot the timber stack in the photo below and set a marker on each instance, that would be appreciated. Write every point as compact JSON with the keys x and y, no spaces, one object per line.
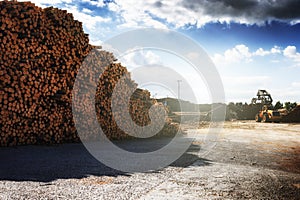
{"x":292,"y":116}
{"x":41,"y":53}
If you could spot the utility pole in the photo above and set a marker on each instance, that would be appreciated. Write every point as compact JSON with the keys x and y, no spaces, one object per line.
{"x":178,"y":82}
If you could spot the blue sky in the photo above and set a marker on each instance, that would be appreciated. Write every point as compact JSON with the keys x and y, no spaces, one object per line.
{"x":253,"y":44}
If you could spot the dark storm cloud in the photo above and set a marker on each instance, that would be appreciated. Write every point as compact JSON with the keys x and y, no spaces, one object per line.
{"x":158,"y":4}
{"x":285,"y":10}
{"x":252,"y":10}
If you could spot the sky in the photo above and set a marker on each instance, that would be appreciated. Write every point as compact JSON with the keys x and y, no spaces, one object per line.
{"x":254,"y":44}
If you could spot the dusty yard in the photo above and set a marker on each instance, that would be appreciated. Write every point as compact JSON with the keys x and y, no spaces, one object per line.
{"x":249,"y":161}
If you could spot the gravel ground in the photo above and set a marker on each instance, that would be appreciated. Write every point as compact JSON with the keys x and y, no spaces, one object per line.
{"x":250,"y":161}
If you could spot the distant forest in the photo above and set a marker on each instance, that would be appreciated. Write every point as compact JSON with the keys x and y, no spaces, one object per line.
{"x":243,"y":111}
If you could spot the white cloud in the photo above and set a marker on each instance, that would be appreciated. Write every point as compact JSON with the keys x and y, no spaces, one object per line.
{"x":89,"y":22}
{"x":276,"y":49}
{"x":241,"y":54}
{"x":261,"y":52}
{"x":96,"y":42}
{"x":98,"y":3}
{"x":88,"y":11}
{"x":140,"y":57}
{"x":294,"y":22}
{"x":135,"y":14}
{"x":291,"y":52}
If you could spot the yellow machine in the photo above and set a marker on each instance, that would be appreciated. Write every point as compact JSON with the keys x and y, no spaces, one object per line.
{"x":266,"y":114}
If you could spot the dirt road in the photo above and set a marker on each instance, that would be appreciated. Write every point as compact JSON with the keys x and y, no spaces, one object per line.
{"x":249,"y":161}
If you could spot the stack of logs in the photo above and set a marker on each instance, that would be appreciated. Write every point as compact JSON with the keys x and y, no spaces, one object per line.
{"x":41,"y":53}
{"x":293,"y":115}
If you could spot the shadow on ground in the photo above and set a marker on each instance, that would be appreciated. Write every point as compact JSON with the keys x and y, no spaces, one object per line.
{"x":189,"y":157}
{"x":48,"y":163}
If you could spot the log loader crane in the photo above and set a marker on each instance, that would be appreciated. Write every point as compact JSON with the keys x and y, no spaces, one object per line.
{"x":267,"y":113}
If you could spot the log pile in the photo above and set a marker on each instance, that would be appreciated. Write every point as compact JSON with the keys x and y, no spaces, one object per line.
{"x":139,"y":104}
{"x":41,"y":53}
{"x":292,"y":116}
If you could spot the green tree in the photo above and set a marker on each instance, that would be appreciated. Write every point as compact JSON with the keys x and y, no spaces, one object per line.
{"x":289,"y":106}
{"x":278,"y":105}
{"x":294,"y":105}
